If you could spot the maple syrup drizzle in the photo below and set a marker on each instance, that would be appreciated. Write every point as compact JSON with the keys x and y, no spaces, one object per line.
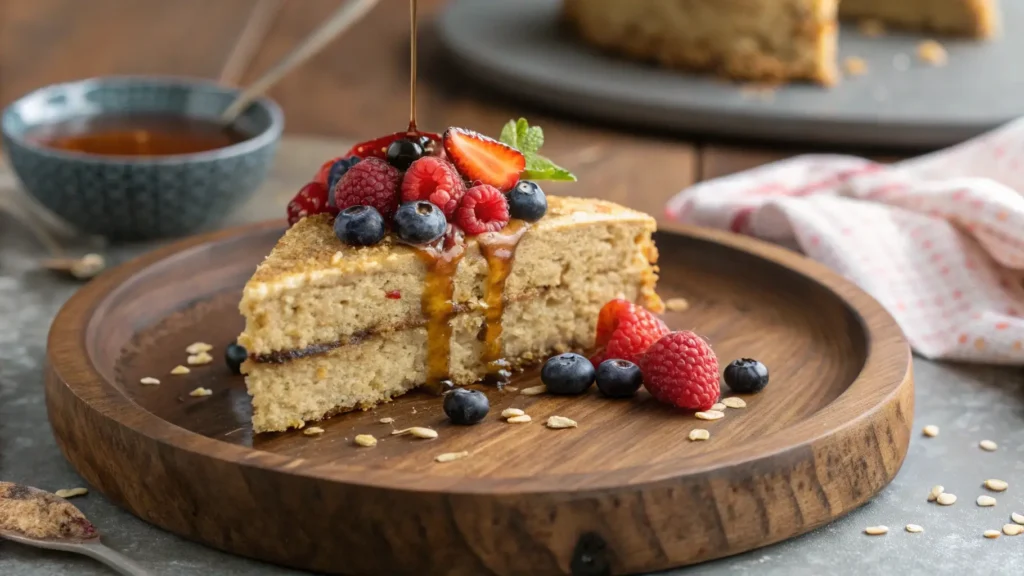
{"x":438,"y":305}
{"x":413,"y":29}
{"x":499,"y":248}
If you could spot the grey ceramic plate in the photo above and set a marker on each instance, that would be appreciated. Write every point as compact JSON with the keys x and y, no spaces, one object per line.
{"x":519,"y":48}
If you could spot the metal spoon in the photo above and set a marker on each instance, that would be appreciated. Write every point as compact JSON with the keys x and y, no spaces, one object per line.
{"x":38,"y":518}
{"x":348,"y":14}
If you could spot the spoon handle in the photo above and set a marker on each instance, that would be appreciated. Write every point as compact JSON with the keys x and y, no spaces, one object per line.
{"x":119,"y":562}
{"x":348,"y":14}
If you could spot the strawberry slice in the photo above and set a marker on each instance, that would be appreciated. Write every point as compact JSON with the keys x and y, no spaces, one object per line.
{"x":325,"y":171}
{"x":483,"y":160}
{"x":379,"y":148}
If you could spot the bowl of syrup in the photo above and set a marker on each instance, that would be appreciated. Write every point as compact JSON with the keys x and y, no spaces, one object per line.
{"x":135,"y":158}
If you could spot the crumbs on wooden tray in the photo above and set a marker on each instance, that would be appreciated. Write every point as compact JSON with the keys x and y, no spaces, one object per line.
{"x":933,"y":53}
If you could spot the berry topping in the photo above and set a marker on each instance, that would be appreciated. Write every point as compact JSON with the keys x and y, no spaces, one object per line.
{"x":379,"y":148}
{"x":372,"y":182}
{"x":434,"y":180}
{"x":402,"y":153}
{"x":527,"y":201}
{"x":338,"y":169}
{"x":359,"y":226}
{"x":567,"y":374}
{"x":618,"y":378}
{"x":681,"y":369}
{"x":323,"y":174}
{"x":482,"y":159}
{"x":393,"y":294}
{"x":482,"y":209}
{"x":466,"y":406}
{"x":311,"y":199}
{"x":234,"y":355}
{"x":746,"y":376}
{"x":419,"y":222}
{"x":626,"y":331}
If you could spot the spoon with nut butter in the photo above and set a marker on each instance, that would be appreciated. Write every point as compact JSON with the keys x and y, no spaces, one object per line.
{"x":37,"y":518}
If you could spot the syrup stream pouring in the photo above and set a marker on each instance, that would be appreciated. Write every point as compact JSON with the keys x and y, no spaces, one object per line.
{"x":348,"y":14}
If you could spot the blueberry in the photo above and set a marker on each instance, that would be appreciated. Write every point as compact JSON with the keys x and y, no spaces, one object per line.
{"x":466,"y":406}
{"x":359,"y":226}
{"x":402,"y":153}
{"x":419,"y":222}
{"x":338,"y":169}
{"x":234,"y":355}
{"x":527,"y":201}
{"x":746,"y":376}
{"x":425,"y":142}
{"x":618,"y":378}
{"x":567,"y":374}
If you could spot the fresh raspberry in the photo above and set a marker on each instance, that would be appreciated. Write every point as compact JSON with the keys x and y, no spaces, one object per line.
{"x":625,"y":331}
{"x":435,"y":181}
{"x":682,"y":370}
{"x":372,"y":182}
{"x":483,"y":209}
{"x":311,"y":199}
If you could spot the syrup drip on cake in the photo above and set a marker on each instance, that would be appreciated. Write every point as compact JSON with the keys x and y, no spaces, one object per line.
{"x":438,"y":304}
{"x":499,"y":248}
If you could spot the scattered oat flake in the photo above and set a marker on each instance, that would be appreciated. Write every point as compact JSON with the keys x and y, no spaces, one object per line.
{"x":734,"y":402}
{"x":558,"y":422}
{"x":855,"y":66}
{"x":387,"y":420}
{"x":366,"y":440}
{"x":710,"y":415}
{"x":946,"y":499}
{"x":1013,"y":529}
{"x":677,"y":305}
{"x":199,"y":359}
{"x":992,"y":534}
{"x":986,"y":501}
{"x":179,"y":370}
{"x":510,"y":412}
{"x":417,"y":431}
{"x":718,"y":406}
{"x":1018,"y":518}
{"x":698,"y":434}
{"x":149,"y":381}
{"x":201,"y":392}
{"x":534,"y":390}
{"x":521,"y":419}
{"x":988,"y":445}
{"x":933,"y":53}
{"x":914,"y":529}
{"x":996,"y":485}
{"x":313,"y":431}
{"x":198,"y":348}
{"x":450,"y":456}
{"x":511,"y":389}
{"x":931,"y":431}
{"x":876,"y":530}
{"x":935,"y":493}
{"x":71,"y":492}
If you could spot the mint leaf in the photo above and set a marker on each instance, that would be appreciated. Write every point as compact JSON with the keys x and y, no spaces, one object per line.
{"x":541,"y":168}
{"x":529,"y":140}
{"x":509,"y":135}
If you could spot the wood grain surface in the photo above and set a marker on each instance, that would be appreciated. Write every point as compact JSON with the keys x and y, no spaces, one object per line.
{"x":625,"y":492}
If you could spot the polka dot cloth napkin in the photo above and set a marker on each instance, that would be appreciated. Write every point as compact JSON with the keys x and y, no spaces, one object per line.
{"x":938,"y":240}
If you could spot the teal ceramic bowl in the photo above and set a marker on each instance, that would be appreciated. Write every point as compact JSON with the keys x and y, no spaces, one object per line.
{"x":139,"y":197}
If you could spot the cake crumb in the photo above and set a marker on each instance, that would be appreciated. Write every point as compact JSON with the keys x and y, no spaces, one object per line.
{"x":559,"y":422}
{"x":297,"y":423}
{"x":855,"y":66}
{"x":933,"y":53}
{"x":321,"y":373}
{"x":201,"y":392}
{"x":199,"y":359}
{"x":677,"y":305}
{"x":871,"y":27}
{"x":198,"y":348}
{"x":313,"y":431}
{"x":698,"y":434}
{"x":149,"y":381}
{"x":366,"y":440}
{"x":71,"y":492}
{"x":179,"y":370}
{"x":451,"y":456}
{"x":336,"y":259}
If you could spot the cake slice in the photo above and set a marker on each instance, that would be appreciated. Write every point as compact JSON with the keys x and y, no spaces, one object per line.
{"x":966,"y":18}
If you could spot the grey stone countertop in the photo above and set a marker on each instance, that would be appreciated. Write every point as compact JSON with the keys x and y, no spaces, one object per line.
{"x":968,"y":403}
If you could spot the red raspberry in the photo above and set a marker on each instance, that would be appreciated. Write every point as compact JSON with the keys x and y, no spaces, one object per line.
{"x":625,"y":331}
{"x":435,"y":181}
{"x":483,"y":209}
{"x":311,"y":199}
{"x":681,"y":369}
{"x":372,"y":182}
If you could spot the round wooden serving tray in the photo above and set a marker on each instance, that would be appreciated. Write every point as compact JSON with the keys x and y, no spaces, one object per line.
{"x":625,"y":492}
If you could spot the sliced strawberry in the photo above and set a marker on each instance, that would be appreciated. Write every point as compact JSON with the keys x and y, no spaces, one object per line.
{"x":483,"y":160}
{"x":379,"y":148}
{"x":324,"y":172}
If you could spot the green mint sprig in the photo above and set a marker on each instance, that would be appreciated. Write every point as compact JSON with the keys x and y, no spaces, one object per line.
{"x":528,"y":140}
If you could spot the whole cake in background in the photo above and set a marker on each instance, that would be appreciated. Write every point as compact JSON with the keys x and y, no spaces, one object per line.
{"x":761,"y":40}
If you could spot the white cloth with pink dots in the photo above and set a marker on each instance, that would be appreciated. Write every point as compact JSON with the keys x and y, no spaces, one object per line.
{"x":938,"y":240}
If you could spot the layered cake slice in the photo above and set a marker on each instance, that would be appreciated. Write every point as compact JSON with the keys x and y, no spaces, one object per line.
{"x":468,"y":285}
